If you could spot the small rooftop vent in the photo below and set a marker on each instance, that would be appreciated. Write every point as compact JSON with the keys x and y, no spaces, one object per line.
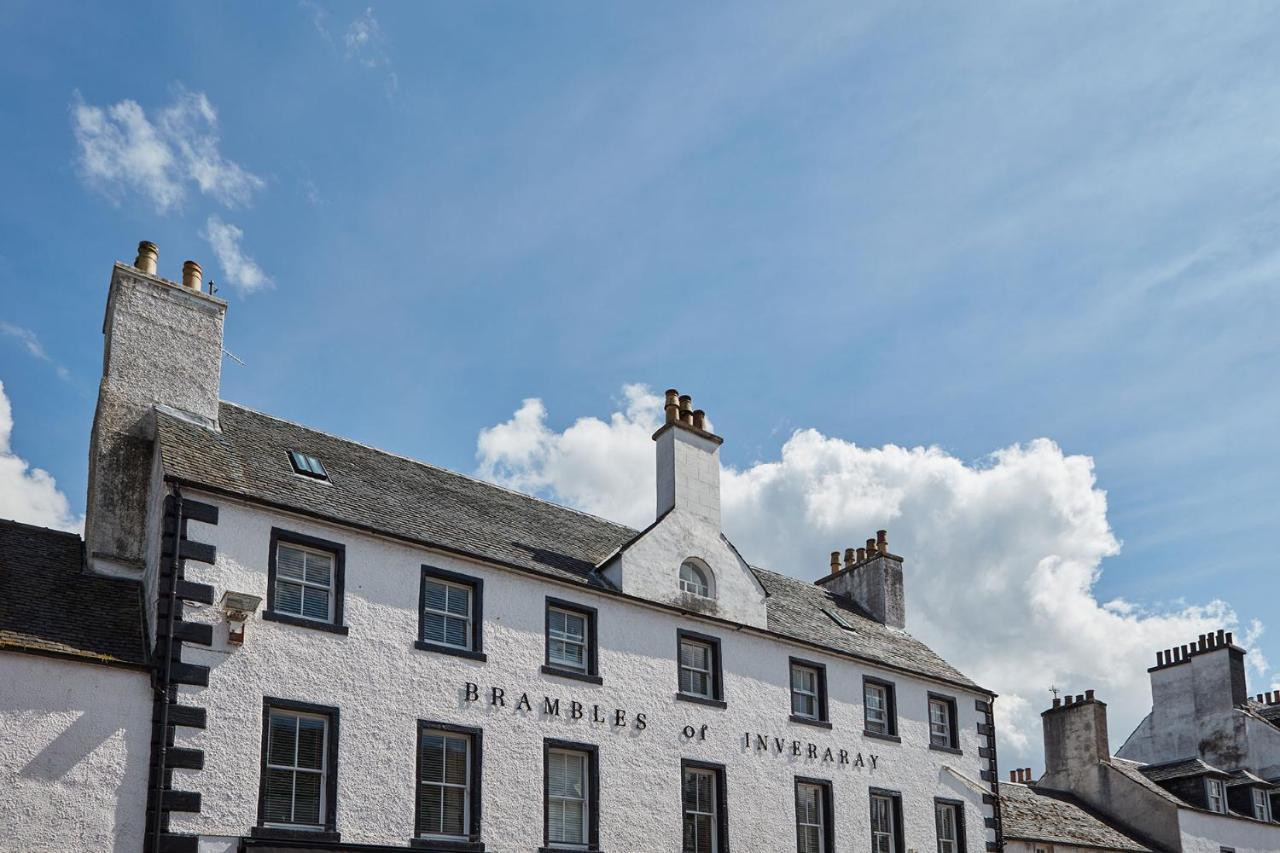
{"x":308,"y":466}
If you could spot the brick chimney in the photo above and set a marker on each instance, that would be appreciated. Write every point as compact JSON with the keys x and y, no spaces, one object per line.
{"x":688,"y":461}
{"x":162,"y":346}
{"x":872,"y":577}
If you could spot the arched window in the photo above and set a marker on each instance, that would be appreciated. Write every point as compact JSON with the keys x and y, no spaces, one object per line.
{"x":695,"y":578}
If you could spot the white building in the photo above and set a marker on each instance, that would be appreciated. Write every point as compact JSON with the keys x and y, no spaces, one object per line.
{"x":358,"y":651}
{"x":1198,"y":775}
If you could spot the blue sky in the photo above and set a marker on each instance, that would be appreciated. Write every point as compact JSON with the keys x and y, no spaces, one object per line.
{"x":902,"y":224}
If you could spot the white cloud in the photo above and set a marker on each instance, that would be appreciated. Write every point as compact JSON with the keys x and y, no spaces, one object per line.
{"x":31,"y":343}
{"x":1002,"y":555}
{"x":239,"y":269}
{"x":363,"y":41}
{"x":29,"y":494}
{"x":122,"y":150}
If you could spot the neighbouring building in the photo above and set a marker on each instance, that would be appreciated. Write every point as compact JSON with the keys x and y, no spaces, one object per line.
{"x":276,"y":639}
{"x":1038,"y":820}
{"x":1198,"y":775}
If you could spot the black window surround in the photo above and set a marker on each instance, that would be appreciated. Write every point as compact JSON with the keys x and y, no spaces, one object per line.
{"x":716,"y":700}
{"x":895,"y":799}
{"x":339,"y":552}
{"x":330,"y":832}
{"x":592,"y":675}
{"x":476,"y":652}
{"x":593,"y":795}
{"x":824,"y":718}
{"x":473,"y":844}
{"x":722,"y":799}
{"x":958,"y":807}
{"x":828,"y":811}
{"x":953,"y":744}
{"x":890,"y":710}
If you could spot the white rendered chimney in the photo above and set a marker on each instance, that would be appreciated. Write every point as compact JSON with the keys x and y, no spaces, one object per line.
{"x":688,"y":461}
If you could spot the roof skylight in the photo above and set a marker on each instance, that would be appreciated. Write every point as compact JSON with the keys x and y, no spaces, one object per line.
{"x":308,"y":466}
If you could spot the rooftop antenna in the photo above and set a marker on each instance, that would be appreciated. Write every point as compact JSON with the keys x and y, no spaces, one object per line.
{"x":213,"y":287}
{"x":1052,"y":689}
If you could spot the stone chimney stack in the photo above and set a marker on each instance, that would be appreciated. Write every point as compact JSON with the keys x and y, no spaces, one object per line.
{"x":872,"y":577}
{"x":1075,"y":740}
{"x":162,"y":347}
{"x":1195,"y":691}
{"x":688,"y":461}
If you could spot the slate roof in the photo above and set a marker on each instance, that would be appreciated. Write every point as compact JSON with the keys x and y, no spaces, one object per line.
{"x":390,"y":494}
{"x":50,"y":605}
{"x":1133,"y":770}
{"x":1244,"y":777}
{"x":1034,"y":814}
{"x":1181,"y":769}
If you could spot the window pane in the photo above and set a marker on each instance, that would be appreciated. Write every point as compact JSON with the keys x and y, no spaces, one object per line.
{"x":288,"y":597}
{"x":282,"y":740}
{"x":810,"y":840}
{"x":804,"y":706}
{"x":459,"y":601}
{"x":433,"y":627}
{"x":319,"y":568}
{"x":455,"y":761}
{"x":455,"y":632}
{"x":432,"y":758}
{"x":454,"y":810}
{"x":573,"y":811}
{"x":430,"y":808}
{"x":289,"y":562}
{"x":433,"y":595}
{"x":695,"y":655}
{"x":310,"y":743}
{"x":278,"y":807}
{"x":315,"y":603}
{"x":306,"y":801}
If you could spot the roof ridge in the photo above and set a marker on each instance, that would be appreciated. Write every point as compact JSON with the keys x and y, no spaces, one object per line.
{"x":448,"y":471}
{"x":13,"y":522}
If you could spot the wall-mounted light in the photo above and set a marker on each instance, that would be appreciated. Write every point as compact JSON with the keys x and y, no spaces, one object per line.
{"x":238,"y":607}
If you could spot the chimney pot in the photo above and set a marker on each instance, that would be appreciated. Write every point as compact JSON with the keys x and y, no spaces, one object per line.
{"x":1079,"y":698}
{"x":871,"y":547}
{"x":1013,"y":775}
{"x":849,"y":557}
{"x":835,"y":562}
{"x":1057,"y":703}
{"x":699,"y":419}
{"x":1222,"y":638}
{"x":882,"y":541}
{"x":686,"y":409}
{"x":862,"y":554}
{"x":672,"y":406}
{"x":1201,"y":641}
{"x":1088,"y":694}
{"x":1229,"y":640}
{"x":191,"y":275}
{"x":148,"y":255}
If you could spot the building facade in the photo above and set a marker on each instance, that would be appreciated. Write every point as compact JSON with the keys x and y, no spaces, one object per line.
{"x":350,"y":650}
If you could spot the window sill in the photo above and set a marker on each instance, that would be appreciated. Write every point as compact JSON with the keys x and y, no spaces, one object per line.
{"x":423,"y":645}
{"x":547,"y":669}
{"x":950,"y":749}
{"x":446,"y":845}
{"x":809,"y":721}
{"x":276,"y":833}
{"x":702,"y":700}
{"x":287,"y":619}
{"x":882,"y":736}
{"x":591,"y":849}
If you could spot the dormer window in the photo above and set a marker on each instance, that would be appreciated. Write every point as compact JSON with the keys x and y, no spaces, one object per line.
{"x":308,"y":466}
{"x":695,"y":579}
{"x":1217,"y":795}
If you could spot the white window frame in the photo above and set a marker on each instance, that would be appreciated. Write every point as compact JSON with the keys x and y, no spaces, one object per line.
{"x":940,"y":731}
{"x":702,"y":585}
{"x":709,"y":672}
{"x":303,"y":582}
{"x":295,"y":769}
{"x":813,"y":694}
{"x":585,"y":764}
{"x":564,"y":638}
{"x":890,"y":836}
{"x":1262,"y":805}
{"x":447,"y":614}
{"x":713,"y":815}
{"x":466,"y":784}
{"x":1217,"y":795}
{"x":952,"y":844}
{"x":821,"y":825}
{"x":883,"y":711}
